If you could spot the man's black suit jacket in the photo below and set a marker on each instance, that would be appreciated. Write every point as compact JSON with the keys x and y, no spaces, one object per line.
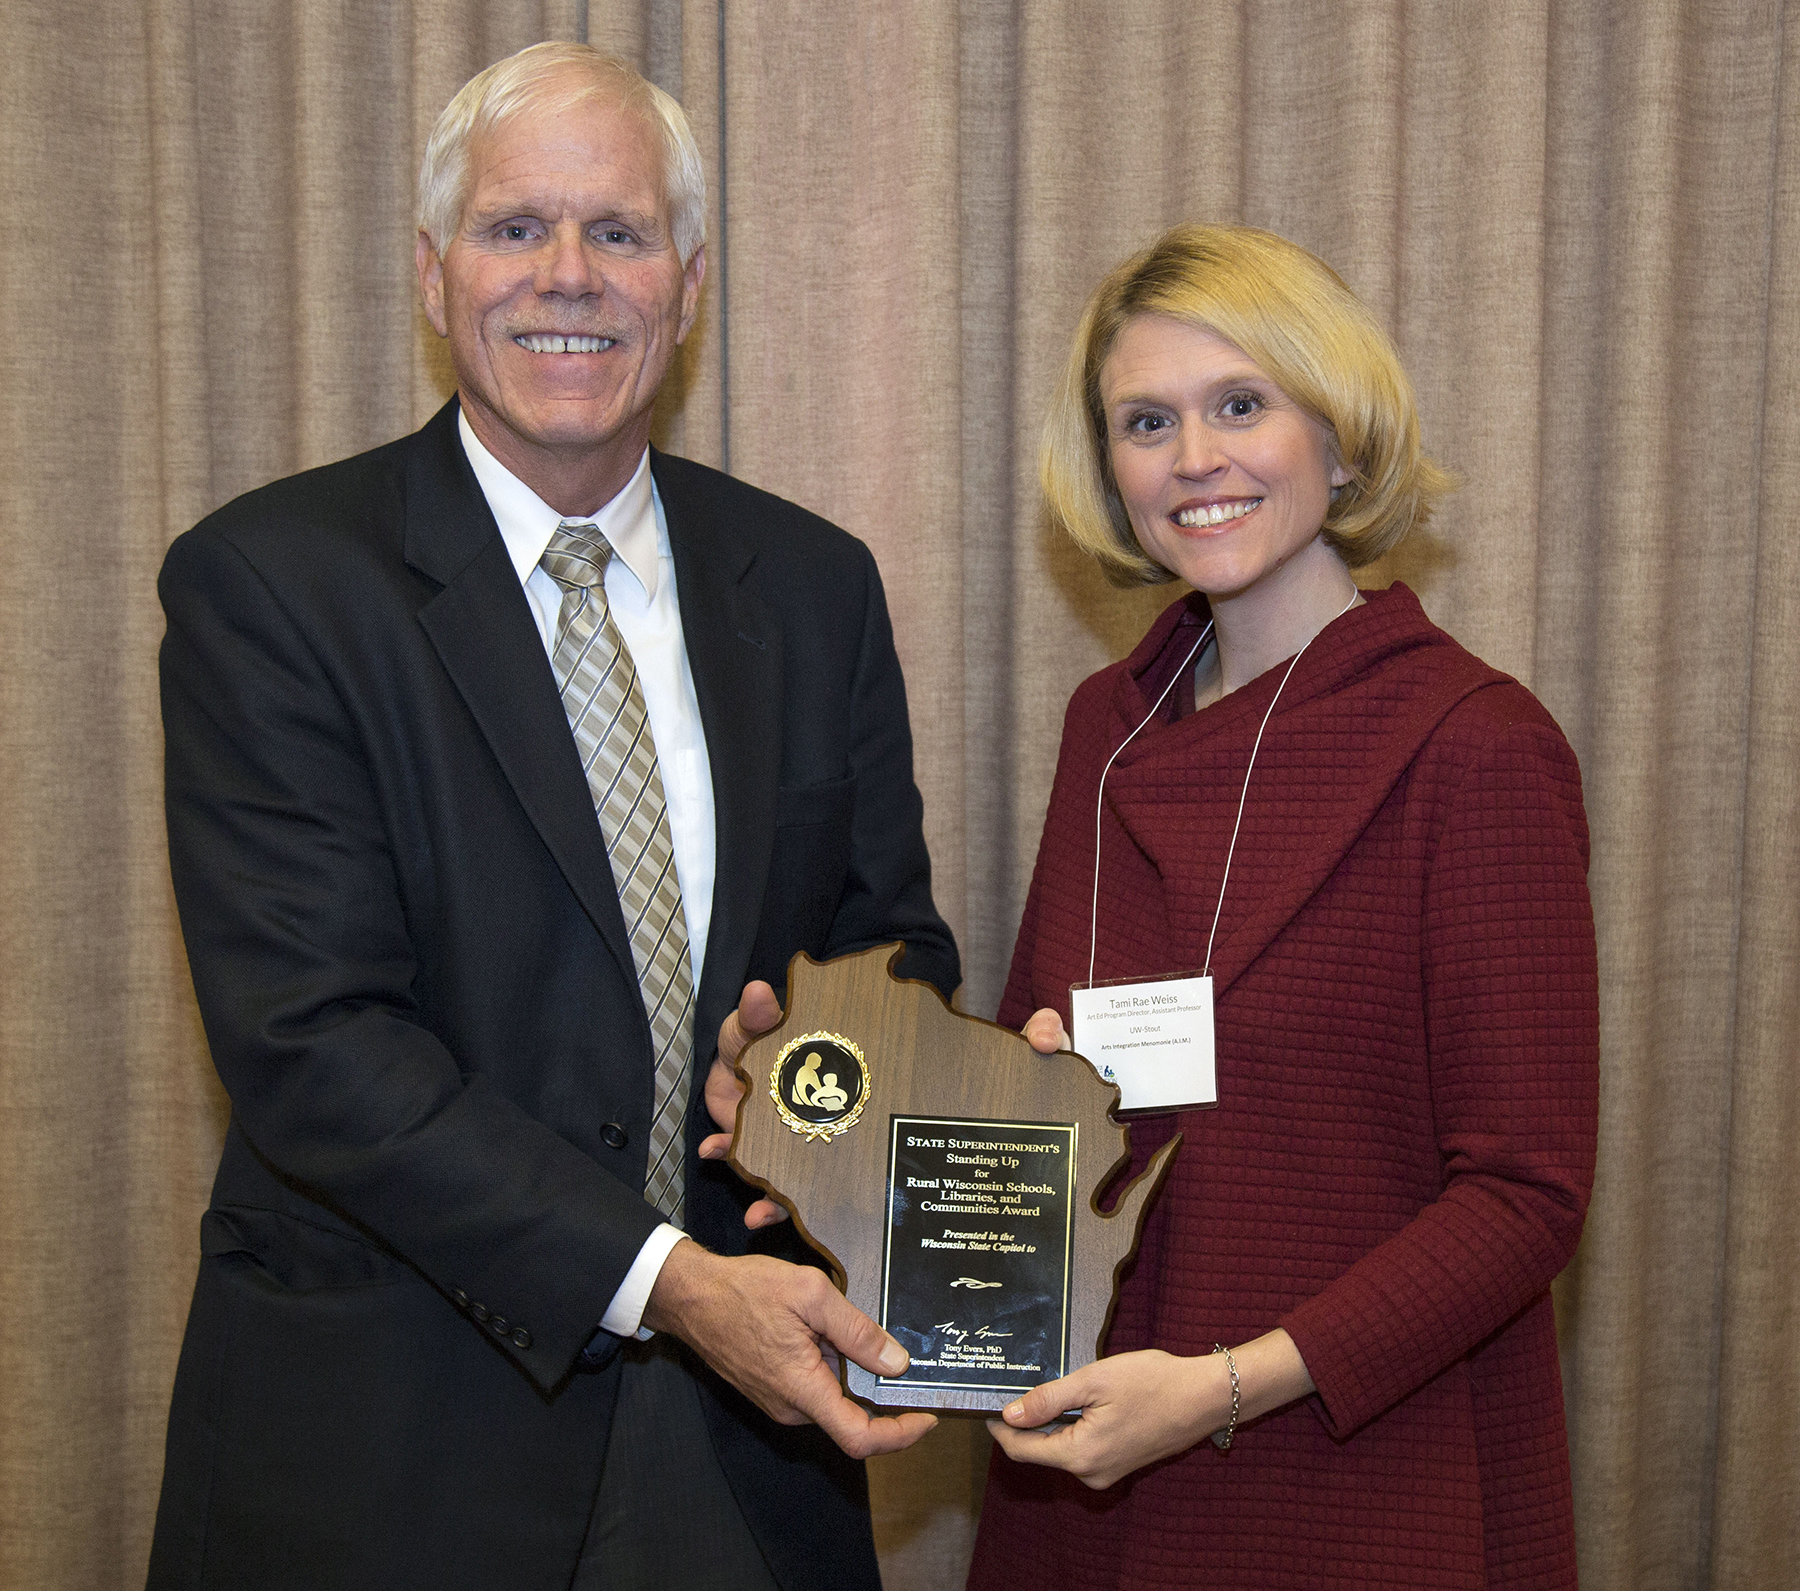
{"x":418,"y":990}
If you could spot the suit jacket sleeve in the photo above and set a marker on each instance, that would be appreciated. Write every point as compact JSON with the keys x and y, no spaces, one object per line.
{"x":303,"y":941}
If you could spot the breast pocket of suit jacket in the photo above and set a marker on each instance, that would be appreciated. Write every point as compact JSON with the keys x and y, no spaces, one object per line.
{"x":809,"y":869}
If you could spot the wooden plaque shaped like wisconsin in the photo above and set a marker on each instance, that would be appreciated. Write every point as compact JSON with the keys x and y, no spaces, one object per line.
{"x":948,"y":1173}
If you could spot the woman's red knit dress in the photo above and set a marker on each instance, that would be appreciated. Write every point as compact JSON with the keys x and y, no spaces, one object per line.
{"x":1401,"y":1154}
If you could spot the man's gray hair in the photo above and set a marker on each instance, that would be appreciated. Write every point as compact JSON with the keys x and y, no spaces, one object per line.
{"x":557,"y":76}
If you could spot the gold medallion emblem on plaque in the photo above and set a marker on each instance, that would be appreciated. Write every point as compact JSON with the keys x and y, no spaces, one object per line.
{"x":819,"y":1084}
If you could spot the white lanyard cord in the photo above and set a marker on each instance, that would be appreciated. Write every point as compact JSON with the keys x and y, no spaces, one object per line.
{"x":1100,"y":794}
{"x":1231,"y":850}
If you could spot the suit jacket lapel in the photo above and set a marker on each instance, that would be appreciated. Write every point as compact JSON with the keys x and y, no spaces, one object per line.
{"x":734,"y":649}
{"x":483,"y":631}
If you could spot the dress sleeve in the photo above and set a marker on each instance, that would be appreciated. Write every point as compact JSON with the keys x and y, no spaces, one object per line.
{"x":1512,"y":1029}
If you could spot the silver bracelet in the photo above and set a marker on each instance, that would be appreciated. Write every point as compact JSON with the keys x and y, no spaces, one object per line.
{"x":1222,"y":1439}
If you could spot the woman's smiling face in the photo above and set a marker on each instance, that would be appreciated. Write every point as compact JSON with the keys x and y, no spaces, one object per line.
{"x":1225,"y":478}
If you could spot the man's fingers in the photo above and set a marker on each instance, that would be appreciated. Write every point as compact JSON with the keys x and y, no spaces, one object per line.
{"x":764,"y":1212}
{"x":852,"y":1333}
{"x":842,"y":1325}
{"x":1045,"y":1031}
{"x":815,"y":1395}
{"x":771,"y":1329}
{"x":890,"y":1433}
{"x":723,"y":1091}
{"x":758,"y":1010}
{"x":859,"y":1433}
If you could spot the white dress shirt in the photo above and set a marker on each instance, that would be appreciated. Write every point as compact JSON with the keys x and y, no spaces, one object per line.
{"x":640,"y":590}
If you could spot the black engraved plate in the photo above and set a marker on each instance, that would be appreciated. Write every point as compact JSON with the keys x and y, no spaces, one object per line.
{"x":975,"y":1273}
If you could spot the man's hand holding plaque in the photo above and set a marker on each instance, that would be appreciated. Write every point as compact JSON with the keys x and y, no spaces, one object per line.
{"x":944,"y":1168}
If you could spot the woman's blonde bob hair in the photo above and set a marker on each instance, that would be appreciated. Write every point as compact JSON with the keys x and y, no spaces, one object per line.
{"x":1290,"y":313}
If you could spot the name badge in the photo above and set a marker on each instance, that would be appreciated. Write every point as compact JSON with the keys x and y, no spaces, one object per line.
{"x":1154,"y":1038}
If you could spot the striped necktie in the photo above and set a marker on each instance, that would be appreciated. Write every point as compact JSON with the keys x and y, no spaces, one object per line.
{"x":605,"y":706}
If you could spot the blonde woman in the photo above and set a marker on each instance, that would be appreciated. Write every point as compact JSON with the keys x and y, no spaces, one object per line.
{"x":1374,"y":845}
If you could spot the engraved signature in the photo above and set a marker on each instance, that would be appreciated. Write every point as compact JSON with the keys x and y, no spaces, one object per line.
{"x":951,"y":1330}
{"x":969,"y":1281}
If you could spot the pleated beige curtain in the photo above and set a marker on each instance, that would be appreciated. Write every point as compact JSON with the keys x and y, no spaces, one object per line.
{"x":1582,"y":222}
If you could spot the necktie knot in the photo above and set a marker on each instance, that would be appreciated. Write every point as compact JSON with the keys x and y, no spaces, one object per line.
{"x":576,"y":557}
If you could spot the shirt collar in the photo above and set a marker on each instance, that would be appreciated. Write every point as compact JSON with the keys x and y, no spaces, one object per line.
{"x":527,"y":522}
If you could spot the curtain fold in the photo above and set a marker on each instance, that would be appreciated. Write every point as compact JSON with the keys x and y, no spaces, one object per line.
{"x":1755,"y":1495}
{"x":1581,"y":223}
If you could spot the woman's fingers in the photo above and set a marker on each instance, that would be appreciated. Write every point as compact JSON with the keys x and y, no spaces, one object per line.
{"x":1044,"y":1403}
{"x":1045,"y":1031}
{"x":1135,"y":1408}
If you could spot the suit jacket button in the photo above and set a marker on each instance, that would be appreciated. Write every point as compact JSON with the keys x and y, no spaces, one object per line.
{"x":521,"y":1337}
{"x":479,"y":1311}
{"x":499,"y":1325}
{"x":462,"y":1298}
{"x":614,"y":1136}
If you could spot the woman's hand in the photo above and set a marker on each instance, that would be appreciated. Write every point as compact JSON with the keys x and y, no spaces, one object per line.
{"x":1045,"y":1030}
{"x":1137,"y":1408}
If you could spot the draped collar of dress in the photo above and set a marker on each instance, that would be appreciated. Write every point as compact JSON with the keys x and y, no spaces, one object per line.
{"x":1363,"y":701}
{"x":1388,"y":635}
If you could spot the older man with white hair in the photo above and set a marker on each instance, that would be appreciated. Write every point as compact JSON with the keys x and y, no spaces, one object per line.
{"x":507,"y":765}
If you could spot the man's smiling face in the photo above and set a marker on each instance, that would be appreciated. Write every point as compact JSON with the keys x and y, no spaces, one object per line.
{"x":561,"y":291}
